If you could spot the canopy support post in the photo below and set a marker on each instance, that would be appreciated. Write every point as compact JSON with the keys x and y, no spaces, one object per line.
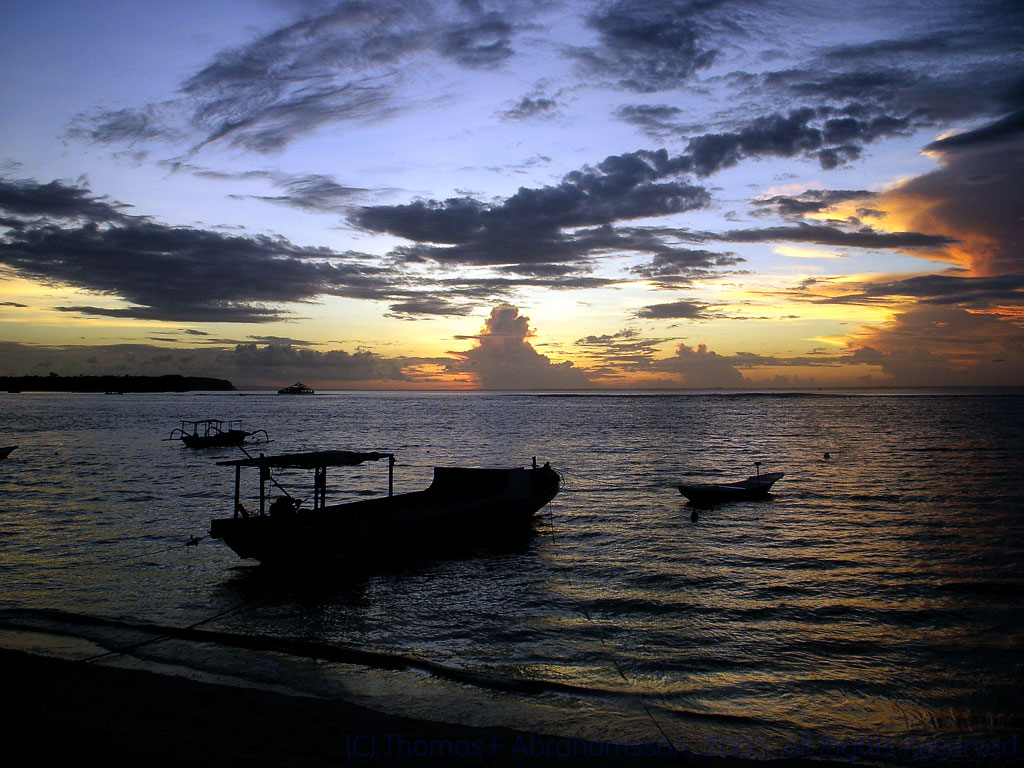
{"x":319,"y":487}
{"x":238,"y":481}
{"x":391,"y":475}
{"x":264,"y":476}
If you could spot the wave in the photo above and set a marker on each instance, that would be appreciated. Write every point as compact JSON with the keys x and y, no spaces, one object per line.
{"x":76,"y":625}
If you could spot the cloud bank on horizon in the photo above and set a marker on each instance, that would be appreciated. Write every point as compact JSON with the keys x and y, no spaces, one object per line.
{"x":679,"y":193}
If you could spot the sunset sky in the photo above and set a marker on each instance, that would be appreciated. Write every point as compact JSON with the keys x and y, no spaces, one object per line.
{"x":522,"y":194}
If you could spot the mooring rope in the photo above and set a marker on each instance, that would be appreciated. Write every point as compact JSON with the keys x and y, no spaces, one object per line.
{"x":160,"y":638}
{"x":583,"y":609}
{"x":269,"y":476}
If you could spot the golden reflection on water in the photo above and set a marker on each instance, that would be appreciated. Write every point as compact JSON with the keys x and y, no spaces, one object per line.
{"x":876,"y":593}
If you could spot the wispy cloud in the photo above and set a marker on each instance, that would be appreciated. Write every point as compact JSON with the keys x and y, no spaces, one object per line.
{"x":349,"y":62}
{"x":647,"y":46}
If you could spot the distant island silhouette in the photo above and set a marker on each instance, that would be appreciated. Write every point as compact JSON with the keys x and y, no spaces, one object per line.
{"x":125,"y":383}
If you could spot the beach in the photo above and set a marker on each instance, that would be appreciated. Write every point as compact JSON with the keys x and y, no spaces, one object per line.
{"x":66,"y":712}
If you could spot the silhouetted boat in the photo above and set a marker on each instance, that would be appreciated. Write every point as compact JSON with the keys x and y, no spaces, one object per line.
{"x":460,"y":506}
{"x":298,"y":388}
{"x":212,"y":433}
{"x":5,"y":451}
{"x":712,"y":493}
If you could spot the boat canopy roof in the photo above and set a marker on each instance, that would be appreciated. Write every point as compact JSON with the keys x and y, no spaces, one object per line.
{"x":309,"y":460}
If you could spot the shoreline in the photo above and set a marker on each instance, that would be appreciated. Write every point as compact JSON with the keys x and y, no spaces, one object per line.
{"x":64,"y":711}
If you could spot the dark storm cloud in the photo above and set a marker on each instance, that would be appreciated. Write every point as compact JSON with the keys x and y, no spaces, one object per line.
{"x":840,"y":99}
{"x":168,"y":273}
{"x":827,"y":134}
{"x":804,"y":132}
{"x":953,"y":62}
{"x":487,"y":287}
{"x":826,"y":235}
{"x":281,"y":340}
{"x":26,"y":198}
{"x":427,"y":306}
{"x":689,"y":310}
{"x":185,"y":274}
{"x":530,"y":108}
{"x":546,"y":271}
{"x":653,"y":119}
{"x":648,"y":46}
{"x":458,"y":296}
{"x":1009,"y":127}
{"x":775,"y":134}
{"x":811,"y":201}
{"x":941,"y":63}
{"x":571,"y":253}
{"x":193,"y":275}
{"x":967,"y":292}
{"x":485,"y":42}
{"x":529,"y":227}
{"x":673,"y":265}
{"x":212,"y":312}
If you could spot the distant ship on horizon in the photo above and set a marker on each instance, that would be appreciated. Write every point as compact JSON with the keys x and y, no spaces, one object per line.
{"x":298,"y":388}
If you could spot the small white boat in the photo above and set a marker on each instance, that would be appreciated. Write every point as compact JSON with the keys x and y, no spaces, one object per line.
{"x":753,"y":487}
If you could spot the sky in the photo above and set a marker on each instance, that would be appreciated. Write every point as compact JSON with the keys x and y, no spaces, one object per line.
{"x":530,"y":194}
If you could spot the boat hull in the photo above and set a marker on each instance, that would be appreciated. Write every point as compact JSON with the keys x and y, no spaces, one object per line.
{"x":462,"y":507}
{"x":715,"y":493}
{"x":219,"y":439}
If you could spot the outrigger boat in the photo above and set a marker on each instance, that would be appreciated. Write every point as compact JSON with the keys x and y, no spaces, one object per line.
{"x":753,"y":487}
{"x":214,"y":433}
{"x":460,"y":505}
{"x":5,"y":451}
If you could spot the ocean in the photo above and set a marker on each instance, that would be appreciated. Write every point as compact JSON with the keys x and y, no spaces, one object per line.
{"x":870,"y":609}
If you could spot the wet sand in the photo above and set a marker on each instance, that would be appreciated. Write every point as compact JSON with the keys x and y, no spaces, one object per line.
{"x":71,"y":713}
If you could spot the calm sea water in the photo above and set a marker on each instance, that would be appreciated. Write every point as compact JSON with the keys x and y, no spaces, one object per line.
{"x":870,"y":609}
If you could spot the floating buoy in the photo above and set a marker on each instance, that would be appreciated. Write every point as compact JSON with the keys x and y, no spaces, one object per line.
{"x":827,"y":456}
{"x":693,"y":516}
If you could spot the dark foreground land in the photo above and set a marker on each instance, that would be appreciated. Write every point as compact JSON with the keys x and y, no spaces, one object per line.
{"x":119,"y":384}
{"x":66,"y":713}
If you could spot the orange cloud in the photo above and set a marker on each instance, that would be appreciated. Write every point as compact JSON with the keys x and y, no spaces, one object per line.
{"x":975,"y":198}
{"x":504,"y":359}
{"x":936,"y":345}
